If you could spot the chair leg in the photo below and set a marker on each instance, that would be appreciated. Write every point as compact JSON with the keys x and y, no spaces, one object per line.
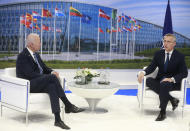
{"x":138,"y":101}
{"x":26,"y":118}
{"x":62,"y":111}
{"x":1,"y":110}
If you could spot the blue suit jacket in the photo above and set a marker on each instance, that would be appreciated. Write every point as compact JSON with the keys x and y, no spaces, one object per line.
{"x":27,"y":68}
{"x":176,"y":66}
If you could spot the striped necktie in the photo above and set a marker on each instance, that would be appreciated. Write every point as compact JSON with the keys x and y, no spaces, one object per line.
{"x":166,"y":63}
{"x":36,"y":59}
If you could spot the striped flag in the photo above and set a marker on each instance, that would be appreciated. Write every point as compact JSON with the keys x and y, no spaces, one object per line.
{"x":22,"y":19}
{"x":58,"y":30}
{"x":75,"y":12}
{"x":103,"y":14}
{"x":58,"y":12}
{"x":36,"y":15}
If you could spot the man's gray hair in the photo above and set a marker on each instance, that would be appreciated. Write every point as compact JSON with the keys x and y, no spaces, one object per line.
{"x":30,"y":38}
{"x":171,"y":35}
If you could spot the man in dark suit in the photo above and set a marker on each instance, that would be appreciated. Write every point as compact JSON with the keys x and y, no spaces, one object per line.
{"x":172,"y":69}
{"x":30,"y":66}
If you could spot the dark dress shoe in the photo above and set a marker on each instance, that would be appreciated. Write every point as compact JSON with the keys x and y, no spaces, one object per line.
{"x":62,"y":125}
{"x":73,"y":109}
{"x":174,"y":103}
{"x":161,"y":117}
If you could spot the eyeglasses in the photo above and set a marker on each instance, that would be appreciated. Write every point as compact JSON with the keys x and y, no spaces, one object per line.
{"x":165,"y":41}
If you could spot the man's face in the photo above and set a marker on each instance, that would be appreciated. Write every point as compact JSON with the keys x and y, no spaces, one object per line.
{"x":36,"y":44}
{"x":169,"y":43}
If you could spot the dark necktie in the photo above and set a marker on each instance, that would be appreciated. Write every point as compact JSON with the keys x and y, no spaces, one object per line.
{"x":36,"y":59}
{"x":166,"y":63}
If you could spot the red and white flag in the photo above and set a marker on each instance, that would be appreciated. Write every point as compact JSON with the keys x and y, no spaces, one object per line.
{"x":100,"y":30}
{"x":103,"y":14}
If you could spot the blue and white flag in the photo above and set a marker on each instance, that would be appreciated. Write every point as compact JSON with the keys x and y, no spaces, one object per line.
{"x":58,"y":12}
{"x":36,"y":15}
{"x":86,"y":18}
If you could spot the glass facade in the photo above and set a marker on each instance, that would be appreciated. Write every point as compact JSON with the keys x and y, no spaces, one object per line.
{"x":13,"y":34}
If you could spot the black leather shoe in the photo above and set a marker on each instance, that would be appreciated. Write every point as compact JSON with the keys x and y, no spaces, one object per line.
{"x":62,"y":125}
{"x":174,"y":103}
{"x":161,"y":117}
{"x":73,"y":109}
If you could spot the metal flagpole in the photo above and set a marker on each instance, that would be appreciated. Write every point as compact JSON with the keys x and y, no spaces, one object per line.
{"x":48,"y":42}
{"x":32,"y":24}
{"x":41,"y":35}
{"x":127,"y":43}
{"x":25,"y":32}
{"x":79,"y":35}
{"x":117,"y":31}
{"x":68,"y":37}
{"x":105,"y":42}
{"x":111,"y":38}
{"x":54,"y":44}
{"x":120,"y":35}
{"x":134,"y":45}
{"x":98,"y":37}
{"x":19,"y":45}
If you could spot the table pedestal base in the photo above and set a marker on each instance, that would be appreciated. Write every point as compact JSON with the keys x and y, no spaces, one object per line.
{"x":92,"y":102}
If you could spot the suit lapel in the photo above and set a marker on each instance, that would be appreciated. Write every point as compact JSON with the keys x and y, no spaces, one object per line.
{"x":29,"y":55}
{"x":163,"y":58}
{"x":171,"y":59}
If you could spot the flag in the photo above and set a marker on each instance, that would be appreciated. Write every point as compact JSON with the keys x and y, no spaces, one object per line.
{"x":46,"y":13}
{"x":135,"y":28}
{"x":132,"y":20}
{"x":75,"y":12}
{"x":168,"y":21}
{"x":36,"y":15}
{"x":22,"y":19}
{"x":100,"y":30}
{"x":126,"y":29}
{"x":127,"y":18}
{"x":119,"y":29}
{"x":114,"y":30}
{"x":103,"y":14}
{"x":123,"y":17}
{"x":138,"y":26}
{"x":119,"y":18}
{"x":35,"y":26}
{"x":28,"y":17}
{"x":28,"y":24}
{"x":58,"y":30}
{"x":86,"y":19}
{"x":58,"y":12}
{"x":108,"y":31}
{"x":45,"y":28}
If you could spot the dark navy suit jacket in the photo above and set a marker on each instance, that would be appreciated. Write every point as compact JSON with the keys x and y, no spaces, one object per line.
{"x":27,"y":68}
{"x":176,"y":66}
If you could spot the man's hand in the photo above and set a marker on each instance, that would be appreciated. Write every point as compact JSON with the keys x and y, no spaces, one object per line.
{"x":55,"y":73}
{"x":167,"y":79}
{"x":140,"y":77}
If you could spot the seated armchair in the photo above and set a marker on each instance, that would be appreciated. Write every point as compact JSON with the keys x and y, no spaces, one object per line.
{"x":148,"y":97}
{"x":15,"y":93}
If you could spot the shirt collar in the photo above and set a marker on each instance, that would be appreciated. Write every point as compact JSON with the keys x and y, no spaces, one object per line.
{"x":169,"y":52}
{"x":31,"y":52}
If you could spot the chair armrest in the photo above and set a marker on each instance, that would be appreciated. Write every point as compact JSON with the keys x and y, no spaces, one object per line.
{"x":14,"y":80}
{"x":14,"y":92}
{"x":62,"y":81}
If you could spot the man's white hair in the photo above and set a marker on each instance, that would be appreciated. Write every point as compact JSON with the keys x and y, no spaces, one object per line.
{"x":30,"y":38}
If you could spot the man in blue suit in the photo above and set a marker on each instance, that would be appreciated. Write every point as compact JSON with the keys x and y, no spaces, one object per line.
{"x":172,"y":69}
{"x":30,"y":66}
